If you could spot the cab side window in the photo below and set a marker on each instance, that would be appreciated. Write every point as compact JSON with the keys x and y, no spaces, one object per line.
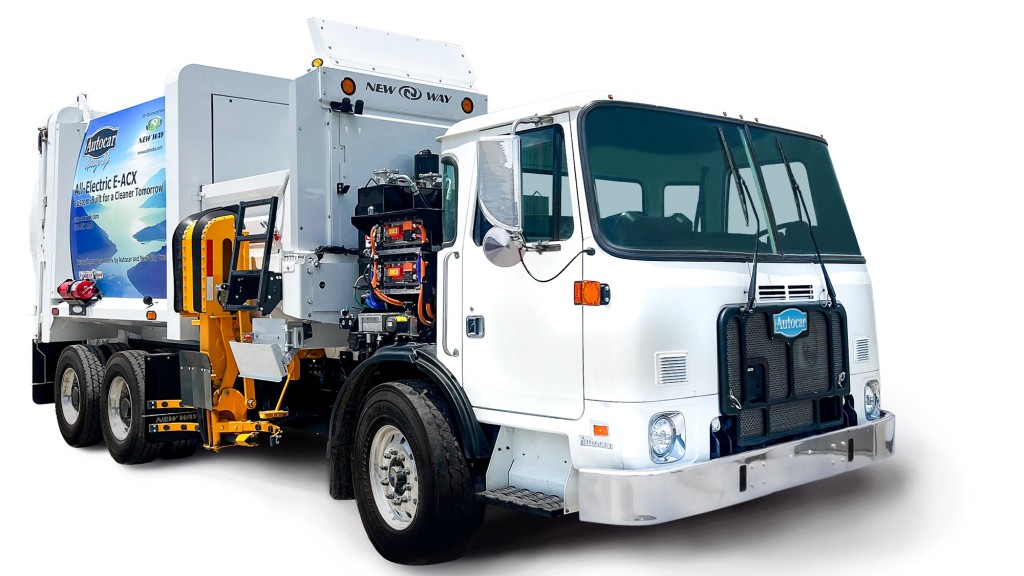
{"x":449,"y":200}
{"x":546,"y":200}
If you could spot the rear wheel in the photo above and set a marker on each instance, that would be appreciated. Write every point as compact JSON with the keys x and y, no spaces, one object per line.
{"x":123,"y":399}
{"x":179,"y":449}
{"x":413,"y":486}
{"x":76,"y":392}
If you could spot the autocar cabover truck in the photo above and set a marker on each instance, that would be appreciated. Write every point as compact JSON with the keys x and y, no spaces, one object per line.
{"x":625,"y":311}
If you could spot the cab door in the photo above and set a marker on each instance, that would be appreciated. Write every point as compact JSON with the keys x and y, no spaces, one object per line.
{"x":522,"y":334}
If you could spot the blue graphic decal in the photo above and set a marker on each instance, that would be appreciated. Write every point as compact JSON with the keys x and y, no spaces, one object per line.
{"x":789,"y":323}
{"x":119,"y":204}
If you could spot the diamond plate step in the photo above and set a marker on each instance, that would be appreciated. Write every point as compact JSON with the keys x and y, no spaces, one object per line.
{"x":524,"y":500}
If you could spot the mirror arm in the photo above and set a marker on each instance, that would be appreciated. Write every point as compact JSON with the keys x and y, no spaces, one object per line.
{"x":535,"y":119}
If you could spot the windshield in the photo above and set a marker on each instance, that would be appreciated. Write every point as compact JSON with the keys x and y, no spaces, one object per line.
{"x":661,"y":185}
{"x":812,"y":169}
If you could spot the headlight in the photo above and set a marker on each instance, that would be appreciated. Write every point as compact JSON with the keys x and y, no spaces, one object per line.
{"x":667,"y":437}
{"x":872,"y":400}
{"x":663,"y":435}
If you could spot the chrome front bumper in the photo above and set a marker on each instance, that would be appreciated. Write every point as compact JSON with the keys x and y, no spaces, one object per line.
{"x":638,"y":497}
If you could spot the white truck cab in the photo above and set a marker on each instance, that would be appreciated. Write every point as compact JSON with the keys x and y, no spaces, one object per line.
{"x":672,"y":390}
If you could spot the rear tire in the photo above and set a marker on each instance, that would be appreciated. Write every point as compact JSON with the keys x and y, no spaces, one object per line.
{"x":76,"y":392}
{"x":105,"y":351}
{"x":122,"y":402}
{"x":404,"y":438}
{"x":179,"y":449}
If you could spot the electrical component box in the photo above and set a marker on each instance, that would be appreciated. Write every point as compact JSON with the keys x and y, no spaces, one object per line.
{"x":399,"y":220}
{"x":387,"y":323}
{"x":382,"y":198}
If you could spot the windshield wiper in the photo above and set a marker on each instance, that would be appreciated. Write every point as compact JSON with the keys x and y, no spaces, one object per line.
{"x":741,"y":188}
{"x":798,"y":197}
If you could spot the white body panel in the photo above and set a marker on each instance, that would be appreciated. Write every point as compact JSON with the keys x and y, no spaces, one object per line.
{"x":65,"y":129}
{"x":249,"y":137}
{"x":393,"y":55}
{"x":242,"y":189}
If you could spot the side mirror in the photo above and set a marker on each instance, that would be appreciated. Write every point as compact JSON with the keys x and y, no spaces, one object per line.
{"x":500,"y":249}
{"x":498,"y":183}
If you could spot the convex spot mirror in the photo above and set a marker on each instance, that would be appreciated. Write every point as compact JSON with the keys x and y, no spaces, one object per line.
{"x":498,"y":183}
{"x":500,"y":249}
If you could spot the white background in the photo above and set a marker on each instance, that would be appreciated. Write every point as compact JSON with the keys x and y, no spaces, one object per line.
{"x":921,"y":106}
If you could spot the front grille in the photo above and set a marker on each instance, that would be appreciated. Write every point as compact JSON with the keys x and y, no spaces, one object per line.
{"x":776,"y":387}
{"x":791,"y":416}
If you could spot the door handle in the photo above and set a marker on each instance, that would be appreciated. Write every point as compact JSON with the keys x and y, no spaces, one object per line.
{"x":447,"y":311}
{"x":475,"y":326}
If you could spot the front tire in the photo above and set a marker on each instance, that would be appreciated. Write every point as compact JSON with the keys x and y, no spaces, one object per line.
{"x":76,"y":392}
{"x":414,"y":489}
{"x":123,"y":399}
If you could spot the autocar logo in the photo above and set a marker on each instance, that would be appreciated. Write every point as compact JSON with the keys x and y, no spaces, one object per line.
{"x":789,"y":323}
{"x":101,"y":142}
{"x":410,"y":92}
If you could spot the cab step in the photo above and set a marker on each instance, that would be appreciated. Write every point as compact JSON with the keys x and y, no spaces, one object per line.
{"x":524,"y":501}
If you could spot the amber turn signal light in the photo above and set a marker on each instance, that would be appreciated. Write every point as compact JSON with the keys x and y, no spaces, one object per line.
{"x":590,"y":293}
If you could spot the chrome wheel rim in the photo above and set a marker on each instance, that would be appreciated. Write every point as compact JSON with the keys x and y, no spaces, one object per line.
{"x":119,"y":408}
{"x":70,"y":396}
{"x":393,"y":477}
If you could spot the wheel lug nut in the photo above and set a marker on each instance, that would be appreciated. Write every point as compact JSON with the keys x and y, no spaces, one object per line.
{"x":384,"y":482}
{"x":383,"y":466}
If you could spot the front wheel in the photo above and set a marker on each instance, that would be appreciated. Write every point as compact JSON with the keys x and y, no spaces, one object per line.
{"x":413,"y":485}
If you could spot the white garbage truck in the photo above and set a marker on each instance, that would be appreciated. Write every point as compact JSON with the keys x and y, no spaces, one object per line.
{"x":620,"y":310}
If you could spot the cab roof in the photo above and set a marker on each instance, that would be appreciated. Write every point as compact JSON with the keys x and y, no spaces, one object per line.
{"x":578,"y":100}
